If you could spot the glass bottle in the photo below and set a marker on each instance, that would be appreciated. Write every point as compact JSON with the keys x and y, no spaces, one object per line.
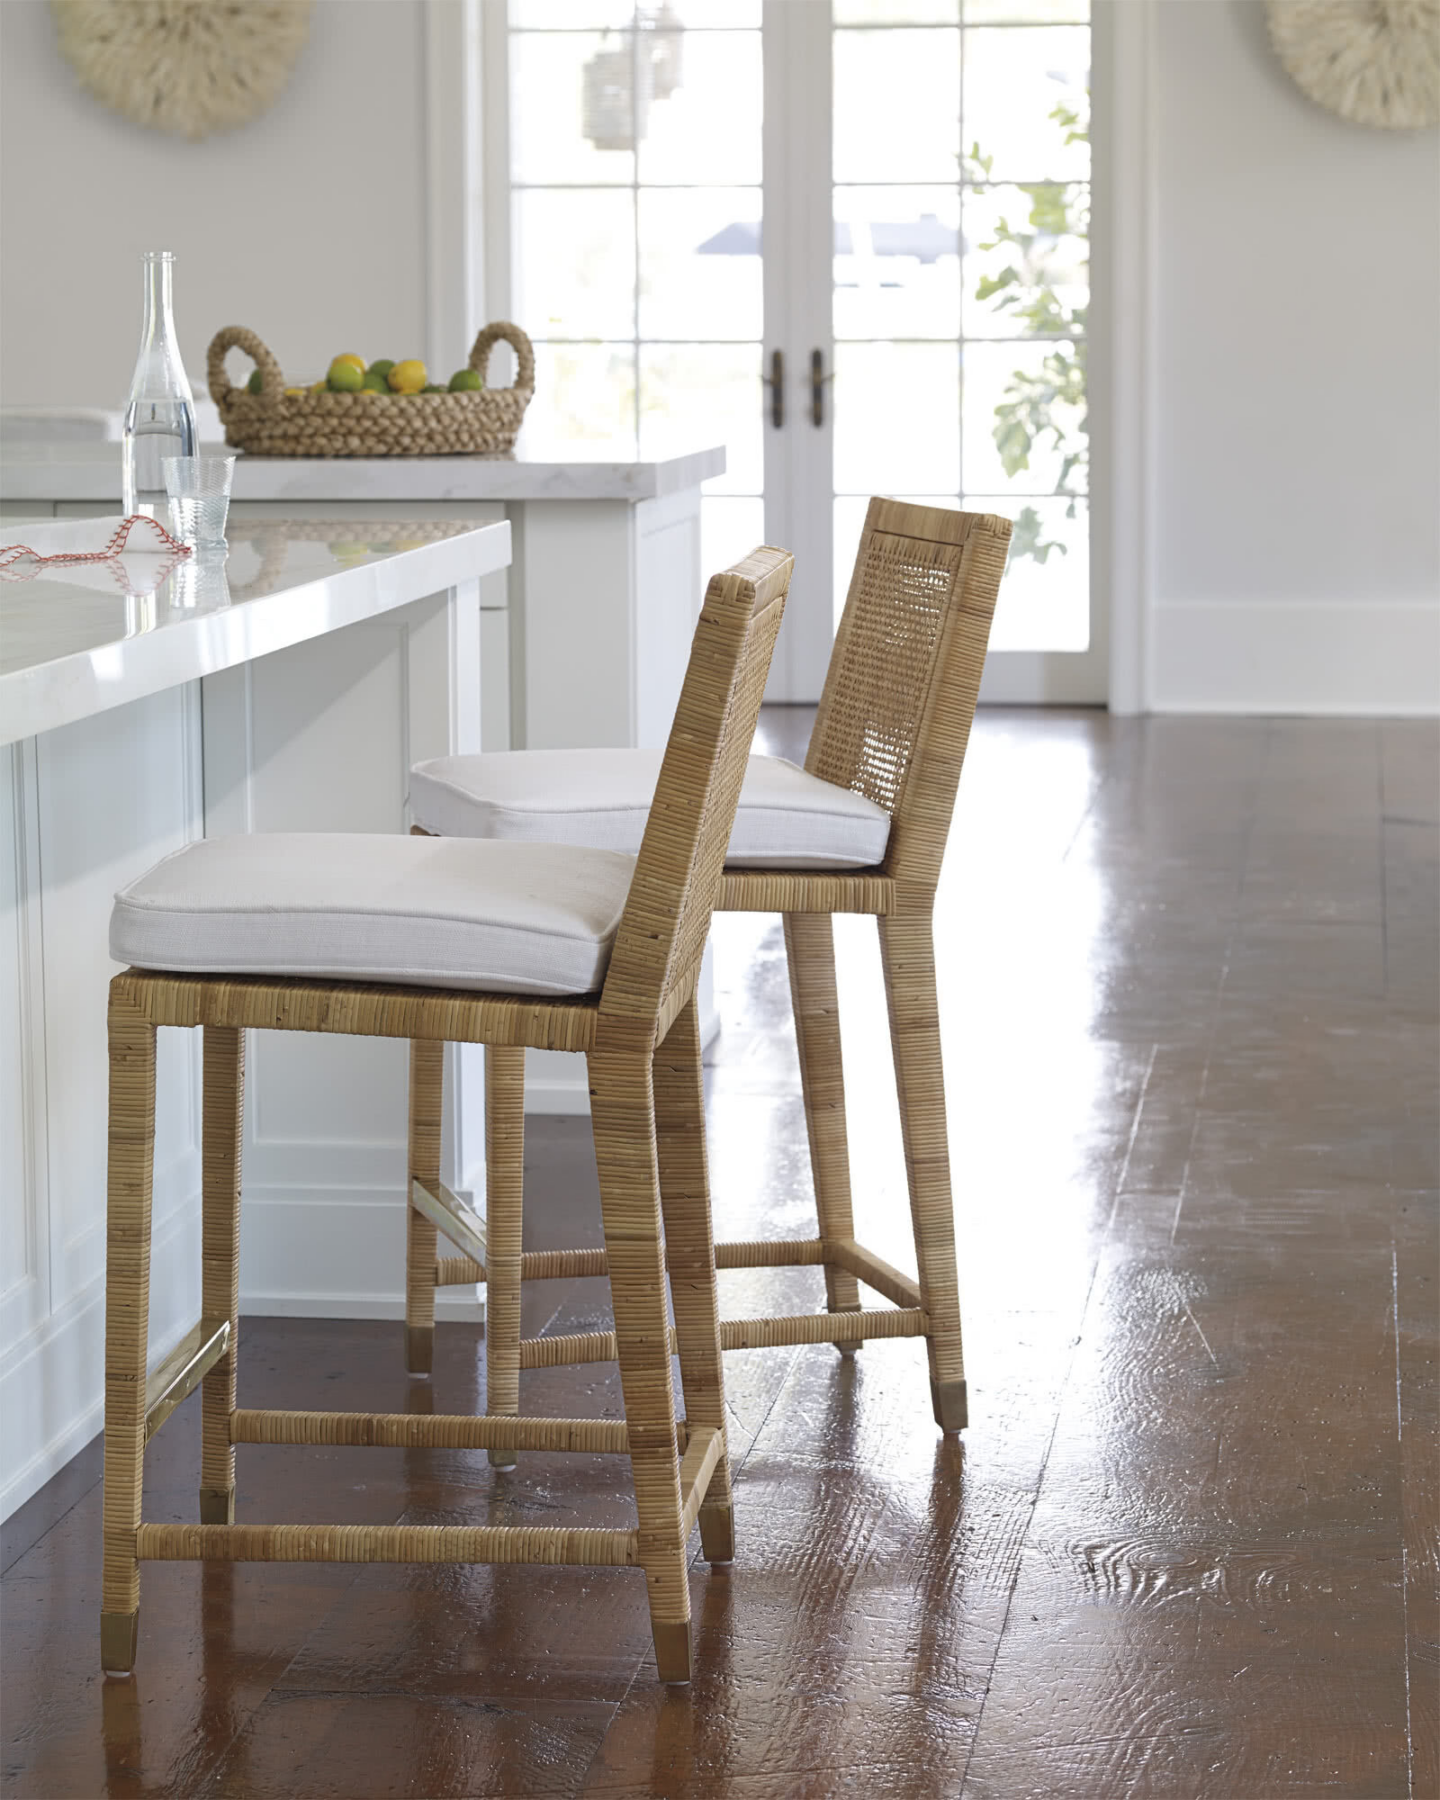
{"x":160,"y":416}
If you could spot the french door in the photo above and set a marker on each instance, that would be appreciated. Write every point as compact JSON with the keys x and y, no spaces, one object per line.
{"x":847,"y":238}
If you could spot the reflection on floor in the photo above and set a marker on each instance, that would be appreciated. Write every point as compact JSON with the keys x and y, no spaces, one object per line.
{"x":1188,"y":1544}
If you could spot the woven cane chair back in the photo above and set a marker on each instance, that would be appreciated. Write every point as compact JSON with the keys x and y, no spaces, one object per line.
{"x":681,"y":861}
{"x":900,"y":694}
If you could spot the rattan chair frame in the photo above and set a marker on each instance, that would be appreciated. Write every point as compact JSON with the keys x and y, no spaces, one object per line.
{"x":641,"y":1040}
{"x":893,"y":723}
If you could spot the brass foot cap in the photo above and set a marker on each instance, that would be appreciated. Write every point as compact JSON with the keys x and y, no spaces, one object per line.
{"x":419,"y":1348}
{"x":119,"y":1633}
{"x":217,"y":1506}
{"x":952,"y":1411}
{"x":672,"y":1650}
{"x":503,"y":1459}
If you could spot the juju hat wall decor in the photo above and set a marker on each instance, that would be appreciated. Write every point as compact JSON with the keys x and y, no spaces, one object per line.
{"x":188,"y":66}
{"x":1375,"y":62}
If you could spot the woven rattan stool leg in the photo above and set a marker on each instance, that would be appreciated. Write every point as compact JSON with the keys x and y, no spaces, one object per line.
{"x":623,"y":1120}
{"x":427,"y":1095}
{"x":224,"y":1111}
{"x":810,"y":953}
{"x":908,"y":953}
{"x":127,"y":1324}
{"x":504,"y":1212}
{"x":690,"y":1247}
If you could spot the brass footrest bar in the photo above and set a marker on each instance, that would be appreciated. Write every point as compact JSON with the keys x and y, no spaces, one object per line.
{"x":385,"y":1544}
{"x":431,"y":1431}
{"x":696,"y":1467}
{"x":464,"y":1228}
{"x":874,"y":1271}
{"x":183,"y":1370}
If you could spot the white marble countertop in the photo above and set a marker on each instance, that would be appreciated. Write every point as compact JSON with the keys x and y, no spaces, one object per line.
{"x":76,"y":639}
{"x":33,"y":470}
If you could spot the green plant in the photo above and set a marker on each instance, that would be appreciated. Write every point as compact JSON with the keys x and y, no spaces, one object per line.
{"x":1035,"y":407}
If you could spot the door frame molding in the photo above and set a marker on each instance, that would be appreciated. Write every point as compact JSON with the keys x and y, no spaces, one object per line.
{"x":467,"y":278}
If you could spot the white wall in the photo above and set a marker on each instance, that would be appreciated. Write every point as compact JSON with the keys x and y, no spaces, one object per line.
{"x":1296,"y":261}
{"x":308,"y":224}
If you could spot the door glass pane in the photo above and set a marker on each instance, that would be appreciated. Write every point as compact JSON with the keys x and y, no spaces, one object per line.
{"x":877,"y":386}
{"x":714,"y":389}
{"x":897,"y":106}
{"x":1027,"y":268}
{"x":581,"y":130}
{"x":897,"y":262}
{"x":985,"y":254}
{"x":1044,"y":598}
{"x":576,"y":276}
{"x":635,"y":213}
{"x":700,"y":263}
{"x":706,"y":129}
{"x":584,"y":394}
{"x":1024,"y":418}
{"x":1026,"y":103}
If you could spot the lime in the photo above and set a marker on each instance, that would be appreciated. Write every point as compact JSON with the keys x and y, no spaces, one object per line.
{"x":374,"y":383}
{"x":255,"y":383}
{"x":408,"y":377}
{"x":319,"y":388}
{"x":349,"y":356}
{"x":466,"y":381}
{"x":382,"y":367}
{"x":344,"y":377}
{"x":430,"y":388}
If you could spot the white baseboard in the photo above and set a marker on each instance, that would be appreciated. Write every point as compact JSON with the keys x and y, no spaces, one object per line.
{"x":356,"y":1237}
{"x":58,"y":1371}
{"x":1311,"y":657}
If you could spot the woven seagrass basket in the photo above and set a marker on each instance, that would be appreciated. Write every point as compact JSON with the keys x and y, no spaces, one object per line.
{"x":274,"y":423}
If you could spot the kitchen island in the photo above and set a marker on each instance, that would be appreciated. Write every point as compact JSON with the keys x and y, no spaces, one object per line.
{"x":584,"y":637}
{"x":144,"y":704}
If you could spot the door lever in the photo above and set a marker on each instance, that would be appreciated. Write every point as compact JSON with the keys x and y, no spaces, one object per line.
{"x":818,"y":379}
{"x":775,"y":381}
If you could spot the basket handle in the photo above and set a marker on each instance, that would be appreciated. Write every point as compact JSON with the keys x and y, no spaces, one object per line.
{"x":516,"y":338}
{"x":272,"y":382}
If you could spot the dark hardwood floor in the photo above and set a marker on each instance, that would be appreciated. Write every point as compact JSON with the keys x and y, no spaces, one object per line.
{"x":1188,"y":1545}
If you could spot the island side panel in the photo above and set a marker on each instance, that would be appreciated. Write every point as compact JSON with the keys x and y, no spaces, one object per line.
{"x":321,"y":738}
{"x":88,"y":808}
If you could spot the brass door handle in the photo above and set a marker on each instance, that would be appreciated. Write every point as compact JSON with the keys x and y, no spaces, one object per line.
{"x":818,"y":379}
{"x":775,"y":381}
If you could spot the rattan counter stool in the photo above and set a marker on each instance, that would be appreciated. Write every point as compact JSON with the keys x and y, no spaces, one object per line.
{"x":441,"y":940}
{"x":861,"y":829}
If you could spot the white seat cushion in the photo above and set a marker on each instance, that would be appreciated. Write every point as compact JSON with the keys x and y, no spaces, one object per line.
{"x":429,"y":912}
{"x":601,"y":798}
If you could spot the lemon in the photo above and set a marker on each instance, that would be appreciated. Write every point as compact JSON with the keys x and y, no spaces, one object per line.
{"x":408,"y":377}
{"x":319,"y":388}
{"x":374,"y":383}
{"x":295,"y":390}
{"x":344,"y":377}
{"x":381,"y":367}
{"x":466,"y":381}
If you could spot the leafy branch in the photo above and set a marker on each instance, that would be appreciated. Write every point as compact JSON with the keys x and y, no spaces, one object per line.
{"x":1037,"y":408}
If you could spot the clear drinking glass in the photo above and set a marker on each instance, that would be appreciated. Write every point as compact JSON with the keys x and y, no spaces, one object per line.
{"x":198,"y":488}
